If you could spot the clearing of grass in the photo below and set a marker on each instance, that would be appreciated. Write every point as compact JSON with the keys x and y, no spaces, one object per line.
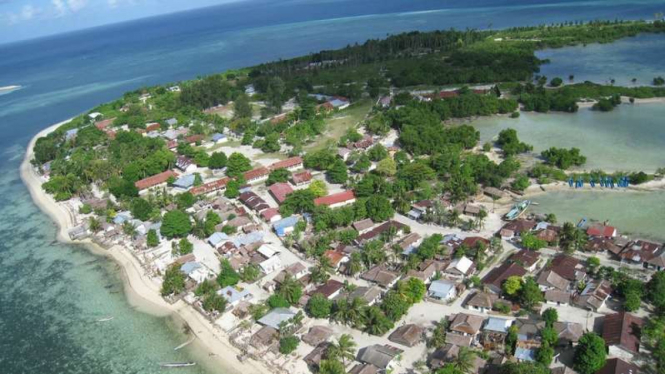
{"x":339,"y":123}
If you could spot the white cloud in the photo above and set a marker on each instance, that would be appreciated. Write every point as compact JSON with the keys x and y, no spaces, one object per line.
{"x":113,"y":3}
{"x":26,"y":13}
{"x":60,"y":7}
{"x":76,"y":5}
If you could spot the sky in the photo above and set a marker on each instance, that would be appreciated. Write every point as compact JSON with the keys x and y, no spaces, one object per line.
{"x":28,"y":19}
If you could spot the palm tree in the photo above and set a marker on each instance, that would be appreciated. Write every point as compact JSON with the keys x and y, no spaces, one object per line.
{"x":290,"y":289}
{"x":355,"y":264}
{"x":94,"y":225}
{"x":340,"y":310}
{"x":355,"y":312}
{"x":464,"y":360}
{"x":480,"y":219}
{"x":344,"y":349}
{"x":454,"y":217}
{"x":376,"y":322}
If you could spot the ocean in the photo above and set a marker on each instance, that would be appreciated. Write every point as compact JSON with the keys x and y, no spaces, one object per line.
{"x":53,"y":294}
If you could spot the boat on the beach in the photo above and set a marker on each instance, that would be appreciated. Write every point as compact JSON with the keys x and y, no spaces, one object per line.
{"x":177,"y":364}
{"x":517,"y":210}
{"x":184,"y":344}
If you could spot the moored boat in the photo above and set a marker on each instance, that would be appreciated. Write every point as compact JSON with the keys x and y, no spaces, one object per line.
{"x":177,"y":364}
{"x":517,"y":210}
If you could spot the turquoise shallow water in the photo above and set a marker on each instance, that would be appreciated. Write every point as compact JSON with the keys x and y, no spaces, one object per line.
{"x":626,"y":139}
{"x":52,"y":293}
{"x":634,"y":213}
{"x":640,"y":58}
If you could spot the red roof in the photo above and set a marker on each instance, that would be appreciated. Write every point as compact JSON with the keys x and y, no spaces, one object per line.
{"x":334,"y":256}
{"x":302,"y":177}
{"x":194,"y":138}
{"x":155,"y":180}
{"x":210,"y":186}
{"x":499,"y":274}
{"x":256,"y":173}
{"x":601,"y":230}
{"x":472,"y":241}
{"x":288,"y":163}
{"x":171,"y":144}
{"x":448,"y":94}
{"x":269,"y":213}
{"x":335,"y":198}
{"x":624,"y":330}
{"x":279,"y":191}
{"x":104,"y":124}
{"x":152,"y":126}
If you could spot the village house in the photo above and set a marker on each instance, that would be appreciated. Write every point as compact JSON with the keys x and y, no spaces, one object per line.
{"x":317,"y":335}
{"x":185,"y":164}
{"x":265,"y":337}
{"x":371,"y":295}
{"x":526,"y":258}
{"x":466,"y":324}
{"x":363,"y":226}
{"x":410,"y":243}
{"x":381,"y":356}
{"x":217,"y":239}
{"x":218,"y":138}
{"x":449,"y":353}
{"x":285,"y":226}
{"x":482,"y":301}
{"x":557,"y":297}
{"x":331,"y":289}
{"x":337,"y":199}
{"x":568,"y":267}
{"x":619,"y":366}
{"x":569,"y":333}
{"x":622,"y":334}
{"x":185,"y":182}
{"x":495,"y":278}
{"x":233,"y":296}
{"x":275,"y":317}
{"x":155,"y":180}
{"x":217,"y":185}
{"x":301,"y":179}
{"x":442,"y":290}
{"x":603,"y":245}
{"x":549,"y":280}
{"x":337,"y":258}
{"x":494,"y":333}
{"x":195,"y":271}
{"x":280,"y":191}
{"x":380,"y":275}
{"x":257,"y":175}
{"x":420,"y":208}
{"x":290,"y":164}
{"x":314,"y":358}
{"x":461,"y":267}
{"x":375,"y":233}
{"x":364,"y":369}
{"x":407,"y":335}
{"x":602,"y":231}
{"x":516,"y":228}
{"x":271,"y":215}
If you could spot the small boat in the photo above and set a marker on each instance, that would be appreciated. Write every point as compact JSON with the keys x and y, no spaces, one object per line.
{"x":177,"y":364}
{"x":105,"y":319}
{"x":517,"y":210}
{"x":184,"y":344}
{"x":581,"y":223}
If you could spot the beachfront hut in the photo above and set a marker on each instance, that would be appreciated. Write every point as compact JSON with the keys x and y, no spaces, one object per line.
{"x":442,"y":290}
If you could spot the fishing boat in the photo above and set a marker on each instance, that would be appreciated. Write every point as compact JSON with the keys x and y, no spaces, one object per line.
{"x":105,"y":319}
{"x":178,"y":364}
{"x":183,"y":344}
{"x":517,"y":210}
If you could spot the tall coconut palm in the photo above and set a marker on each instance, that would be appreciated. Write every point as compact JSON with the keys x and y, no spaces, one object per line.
{"x":464,"y":360}
{"x":344,"y":349}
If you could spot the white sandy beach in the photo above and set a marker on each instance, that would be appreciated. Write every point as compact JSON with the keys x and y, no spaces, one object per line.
{"x":143,"y":292}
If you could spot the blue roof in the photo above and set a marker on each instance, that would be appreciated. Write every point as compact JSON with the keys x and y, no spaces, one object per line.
{"x":231,"y":294}
{"x":440,"y":288}
{"x":189,"y":267}
{"x":217,"y":238}
{"x":525,"y":354}
{"x":497,"y":324}
{"x":250,"y":238}
{"x":338,"y":103}
{"x":120,"y":218}
{"x":285,"y":223}
{"x":186,"y":181}
{"x":276,"y":317}
{"x":218,"y":136}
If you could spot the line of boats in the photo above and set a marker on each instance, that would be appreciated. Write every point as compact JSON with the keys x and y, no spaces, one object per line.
{"x":602,"y":181}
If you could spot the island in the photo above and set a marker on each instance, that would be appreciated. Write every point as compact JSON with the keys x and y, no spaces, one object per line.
{"x":335,"y":212}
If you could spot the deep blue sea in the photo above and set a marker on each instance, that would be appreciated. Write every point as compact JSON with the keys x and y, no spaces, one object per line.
{"x":51,"y":294}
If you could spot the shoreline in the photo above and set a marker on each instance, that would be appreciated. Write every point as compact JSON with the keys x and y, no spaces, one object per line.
{"x":141,"y":291}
